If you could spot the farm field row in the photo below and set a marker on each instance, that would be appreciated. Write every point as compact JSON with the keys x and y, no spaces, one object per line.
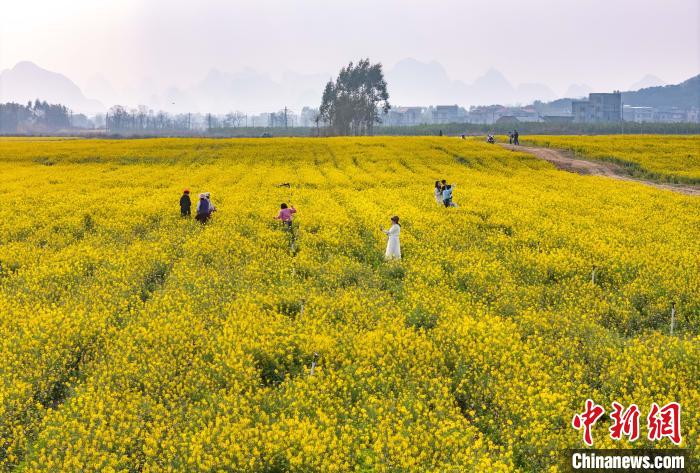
{"x":674,"y":159}
{"x":136,"y":340}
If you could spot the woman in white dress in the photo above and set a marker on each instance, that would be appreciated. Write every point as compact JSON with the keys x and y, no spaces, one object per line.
{"x":393,"y":247}
{"x":438,"y":192}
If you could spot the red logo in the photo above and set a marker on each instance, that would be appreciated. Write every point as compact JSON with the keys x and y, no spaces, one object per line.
{"x":625,"y":422}
{"x":587,"y":419}
{"x":665,"y":422}
{"x":661,"y":422}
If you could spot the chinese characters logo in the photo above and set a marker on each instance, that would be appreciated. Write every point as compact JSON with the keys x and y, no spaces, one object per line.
{"x":661,"y":421}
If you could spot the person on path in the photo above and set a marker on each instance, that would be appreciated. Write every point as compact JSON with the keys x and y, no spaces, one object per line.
{"x":393,"y":246}
{"x":438,"y":192}
{"x":203,"y":211}
{"x":516,"y":138}
{"x":285,"y":214}
{"x":185,"y":204}
{"x":510,"y":137}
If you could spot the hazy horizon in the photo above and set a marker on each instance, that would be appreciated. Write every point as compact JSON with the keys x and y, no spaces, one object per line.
{"x":127,"y":40}
{"x":150,"y":47}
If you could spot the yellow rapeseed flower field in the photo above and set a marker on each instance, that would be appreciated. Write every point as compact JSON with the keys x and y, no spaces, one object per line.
{"x":673,"y":159}
{"x":132,"y":339}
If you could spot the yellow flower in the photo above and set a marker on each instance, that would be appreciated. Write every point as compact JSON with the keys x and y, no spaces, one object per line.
{"x":134,"y":339}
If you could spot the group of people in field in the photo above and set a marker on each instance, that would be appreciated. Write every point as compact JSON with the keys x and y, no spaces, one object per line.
{"x":443,"y":193}
{"x":443,"y":196}
{"x":205,"y":207}
{"x":393,"y":246}
{"x":513,"y":138}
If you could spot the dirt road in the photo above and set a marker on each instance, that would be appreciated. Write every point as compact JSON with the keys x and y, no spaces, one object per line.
{"x":567,"y":162}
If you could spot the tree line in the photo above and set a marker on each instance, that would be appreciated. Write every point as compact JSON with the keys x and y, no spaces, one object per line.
{"x":144,"y":120}
{"x":36,"y":117}
{"x":119,"y":119}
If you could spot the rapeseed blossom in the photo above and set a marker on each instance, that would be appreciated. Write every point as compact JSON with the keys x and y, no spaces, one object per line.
{"x":136,"y":340}
{"x":673,"y":158}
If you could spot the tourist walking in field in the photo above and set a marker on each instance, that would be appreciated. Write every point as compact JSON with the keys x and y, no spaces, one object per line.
{"x":285,"y":215}
{"x":203,"y":211}
{"x":510,"y":137}
{"x":393,"y":246}
{"x":185,"y":204}
{"x":438,"y":192}
{"x":516,"y":138}
{"x":212,"y":207}
{"x":447,"y":195}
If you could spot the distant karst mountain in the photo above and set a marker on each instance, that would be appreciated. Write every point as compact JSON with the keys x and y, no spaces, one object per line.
{"x":577,"y":91}
{"x":249,"y":90}
{"x":646,"y":82}
{"x":683,"y":95}
{"x":412,"y":82}
{"x":217,"y":92}
{"x":27,"y":81}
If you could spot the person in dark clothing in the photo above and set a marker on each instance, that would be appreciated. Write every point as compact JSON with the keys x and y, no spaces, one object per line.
{"x":185,"y":204}
{"x":510,"y":137}
{"x":515,"y":138}
{"x":203,"y":211}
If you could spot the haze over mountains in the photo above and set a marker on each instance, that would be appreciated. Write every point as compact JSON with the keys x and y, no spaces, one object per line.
{"x":414,"y":82}
{"x":411,"y":82}
{"x":26,"y":81}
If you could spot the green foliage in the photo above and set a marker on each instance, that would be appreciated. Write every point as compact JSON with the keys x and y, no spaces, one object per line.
{"x":349,"y":106}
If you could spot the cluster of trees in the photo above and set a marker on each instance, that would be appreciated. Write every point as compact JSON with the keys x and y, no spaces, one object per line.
{"x":37,"y":117}
{"x":143,"y":120}
{"x":352,"y":104}
{"x":230,"y":120}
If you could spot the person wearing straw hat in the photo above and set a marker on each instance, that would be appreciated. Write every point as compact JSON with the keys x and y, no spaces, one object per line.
{"x":203,"y":211}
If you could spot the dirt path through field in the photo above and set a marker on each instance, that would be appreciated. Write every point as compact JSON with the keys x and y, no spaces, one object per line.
{"x":567,"y":162}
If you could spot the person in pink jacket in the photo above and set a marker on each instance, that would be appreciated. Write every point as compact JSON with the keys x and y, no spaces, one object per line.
{"x":285,"y":214}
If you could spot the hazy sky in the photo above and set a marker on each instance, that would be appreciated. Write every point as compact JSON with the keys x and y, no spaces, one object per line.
{"x":602,"y":43}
